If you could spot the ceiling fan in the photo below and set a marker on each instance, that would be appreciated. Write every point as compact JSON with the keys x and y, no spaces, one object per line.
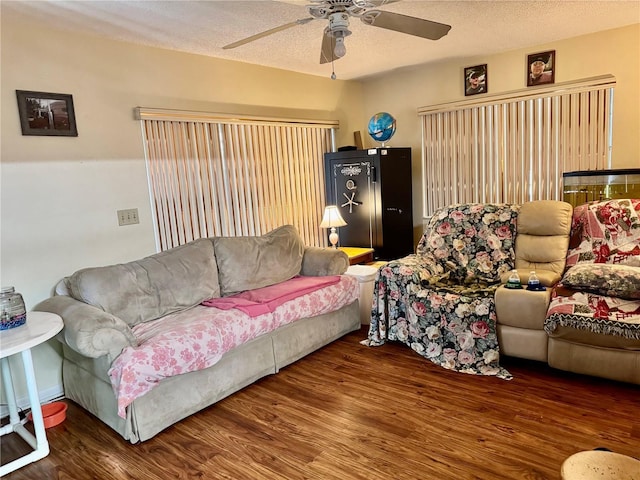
{"x":338,"y":13}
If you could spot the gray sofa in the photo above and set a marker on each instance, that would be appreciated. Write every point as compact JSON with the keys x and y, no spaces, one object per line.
{"x":102,"y":306}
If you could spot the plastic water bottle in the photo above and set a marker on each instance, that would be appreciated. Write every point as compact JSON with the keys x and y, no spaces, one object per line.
{"x":513,"y":280}
{"x":12,"y":310}
{"x":534,"y":282}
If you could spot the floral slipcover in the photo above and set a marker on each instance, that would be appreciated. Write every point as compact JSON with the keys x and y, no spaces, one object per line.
{"x":439,"y":301}
{"x":600,"y":291}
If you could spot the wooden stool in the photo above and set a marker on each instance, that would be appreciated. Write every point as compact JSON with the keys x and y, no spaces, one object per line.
{"x":601,"y":465}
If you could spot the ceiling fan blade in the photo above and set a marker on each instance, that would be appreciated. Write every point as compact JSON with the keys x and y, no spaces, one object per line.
{"x":379,"y":3}
{"x":326,"y":52}
{"x":266,"y":33}
{"x":405,"y":24}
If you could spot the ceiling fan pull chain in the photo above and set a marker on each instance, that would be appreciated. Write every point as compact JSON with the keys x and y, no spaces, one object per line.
{"x":333,"y":70}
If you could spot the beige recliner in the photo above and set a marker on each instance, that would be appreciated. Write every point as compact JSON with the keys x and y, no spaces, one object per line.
{"x":541,"y":245}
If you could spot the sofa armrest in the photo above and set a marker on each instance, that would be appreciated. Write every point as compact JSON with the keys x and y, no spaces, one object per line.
{"x":87,"y":329}
{"x":319,"y":262}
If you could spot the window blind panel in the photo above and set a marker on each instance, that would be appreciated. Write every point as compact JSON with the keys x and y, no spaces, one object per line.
{"x":187,"y":187}
{"x":323,"y":140}
{"x":216,"y":181}
{"x":231,"y":194}
{"x":253,"y":184}
{"x":224,"y":194}
{"x":263,"y":202}
{"x":480,"y":156}
{"x":161,"y":184}
{"x":429,"y":176}
{"x":308,"y":189}
{"x":448,"y":152}
{"x":309,"y":186}
{"x":475,"y":180}
{"x":235,"y":178}
{"x":167,"y":183}
{"x":608,"y":129}
{"x":287,"y":168}
{"x":240,"y":175}
{"x":492,"y":115}
{"x":230,"y":161}
{"x":181,"y":182}
{"x":305,"y":183}
{"x":152,"y":150}
{"x":514,"y":148}
{"x":277,"y":159}
{"x":271,"y":172}
{"x":249,"y":183}
{"x":442,"y":173}
{"x":286,"y":177}
{"x":463,"y":161}
{"x":207,"y":217}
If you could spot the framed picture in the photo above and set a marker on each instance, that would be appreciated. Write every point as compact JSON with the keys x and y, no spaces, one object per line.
{"x":46,"y":114}
{"x":541,"y":68}
{"x":475,"y":80}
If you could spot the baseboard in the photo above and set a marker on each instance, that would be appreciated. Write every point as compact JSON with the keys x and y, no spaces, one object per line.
{"x":50,"y":394}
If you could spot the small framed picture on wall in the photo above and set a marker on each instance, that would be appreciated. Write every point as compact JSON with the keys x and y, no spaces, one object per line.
{"x":47,"y":114}
{"x":476,"y":80}
{"x":541,"y":68}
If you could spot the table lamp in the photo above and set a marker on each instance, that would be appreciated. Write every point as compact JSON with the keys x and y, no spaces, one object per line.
{"x":332,"y":219}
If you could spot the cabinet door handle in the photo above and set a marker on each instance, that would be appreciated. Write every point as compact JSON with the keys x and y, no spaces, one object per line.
{"x":374,"y":177}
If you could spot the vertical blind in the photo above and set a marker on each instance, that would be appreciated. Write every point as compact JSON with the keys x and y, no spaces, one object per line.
{"x":514,"y":147}
{"x":216,"y":175}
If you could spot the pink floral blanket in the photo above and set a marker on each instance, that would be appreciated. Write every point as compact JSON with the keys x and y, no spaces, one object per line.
{"x":197,"y":338}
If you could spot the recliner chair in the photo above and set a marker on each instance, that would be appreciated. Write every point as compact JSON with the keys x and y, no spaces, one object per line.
{"x":541,"y":245}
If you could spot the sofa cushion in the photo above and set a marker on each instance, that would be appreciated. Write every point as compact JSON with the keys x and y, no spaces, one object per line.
{"x":154,"y":286}
{"x":604,"y":279}
{"x":543,"y":236}
{"x":245,"y":263}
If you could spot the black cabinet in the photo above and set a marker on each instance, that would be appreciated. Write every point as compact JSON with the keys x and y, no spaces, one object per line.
{"x":372,"y":189}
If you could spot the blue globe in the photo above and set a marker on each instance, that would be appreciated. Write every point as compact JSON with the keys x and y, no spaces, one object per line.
{"x":382,"y":126}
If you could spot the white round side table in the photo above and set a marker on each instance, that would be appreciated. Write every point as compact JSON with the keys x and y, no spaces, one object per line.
{"x":40,"y":327}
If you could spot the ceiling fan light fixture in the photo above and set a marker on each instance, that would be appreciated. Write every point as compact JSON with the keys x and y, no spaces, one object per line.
{"x":338,"y":29}
{"x":340,"y":49}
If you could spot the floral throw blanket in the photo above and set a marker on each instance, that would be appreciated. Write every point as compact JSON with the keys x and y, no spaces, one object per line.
{"x":600,"y":292}
{"x":440,"y":301}
{"x":606,"y":232}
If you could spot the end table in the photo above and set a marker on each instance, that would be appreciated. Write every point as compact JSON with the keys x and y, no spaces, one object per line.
{"x":40,"y":327}
{"x":358,"y":255}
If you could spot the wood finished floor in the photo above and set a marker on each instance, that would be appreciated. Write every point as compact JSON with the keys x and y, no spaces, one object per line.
{"x":354,"y":412}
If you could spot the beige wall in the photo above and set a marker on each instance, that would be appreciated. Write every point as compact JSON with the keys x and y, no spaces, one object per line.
{"x":59,"y":195}
{"x":615,"y":52}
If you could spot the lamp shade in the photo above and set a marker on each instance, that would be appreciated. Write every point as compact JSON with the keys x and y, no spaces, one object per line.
{"x":332,"y":217}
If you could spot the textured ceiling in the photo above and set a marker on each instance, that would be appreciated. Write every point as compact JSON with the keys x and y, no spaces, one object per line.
{"x":203,"y":27}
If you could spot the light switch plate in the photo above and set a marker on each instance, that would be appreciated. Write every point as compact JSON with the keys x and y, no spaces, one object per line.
{"x":128,"y":217}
